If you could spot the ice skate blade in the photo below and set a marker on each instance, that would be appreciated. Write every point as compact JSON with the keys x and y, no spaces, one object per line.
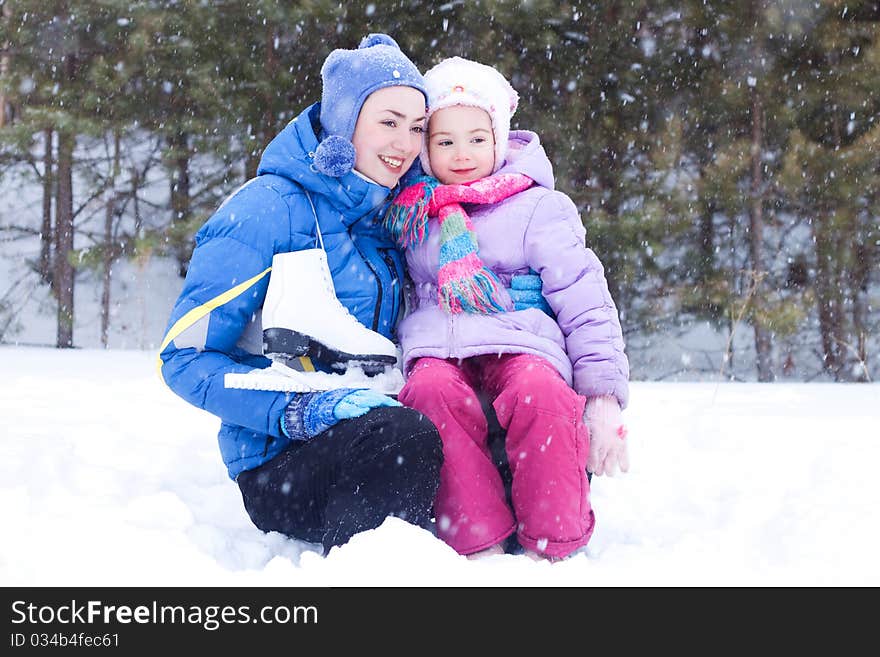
{"x":291,"y":365}
{"x":279,"y":342}
{"x":372,"y":369}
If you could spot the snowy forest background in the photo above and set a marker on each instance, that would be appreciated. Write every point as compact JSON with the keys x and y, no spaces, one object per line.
{"x":725,"y":157}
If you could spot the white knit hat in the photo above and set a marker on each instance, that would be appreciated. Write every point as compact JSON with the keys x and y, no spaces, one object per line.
{"x":457,"y":81}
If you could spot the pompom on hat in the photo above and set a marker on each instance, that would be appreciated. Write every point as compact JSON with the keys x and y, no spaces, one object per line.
{"x":458,"y":81}
{"x":349,"y":77}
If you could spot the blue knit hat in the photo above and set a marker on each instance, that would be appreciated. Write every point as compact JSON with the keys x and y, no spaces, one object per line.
{"x":349,"y":76}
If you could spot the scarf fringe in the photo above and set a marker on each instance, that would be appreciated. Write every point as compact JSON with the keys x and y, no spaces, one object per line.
{"x":478,"y":293}
{"x":407,"y":218}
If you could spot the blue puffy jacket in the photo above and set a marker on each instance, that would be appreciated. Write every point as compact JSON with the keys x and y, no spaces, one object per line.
{"x":214,"y":325}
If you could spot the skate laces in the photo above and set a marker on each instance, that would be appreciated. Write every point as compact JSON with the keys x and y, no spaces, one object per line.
{"x":328,"y":286}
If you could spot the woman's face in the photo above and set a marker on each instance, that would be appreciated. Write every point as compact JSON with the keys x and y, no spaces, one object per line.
{"x":461,"y":144}
{"x":388,"y":134}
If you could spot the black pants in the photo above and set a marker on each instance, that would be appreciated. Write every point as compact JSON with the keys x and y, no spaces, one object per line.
{"x":349,"y":478}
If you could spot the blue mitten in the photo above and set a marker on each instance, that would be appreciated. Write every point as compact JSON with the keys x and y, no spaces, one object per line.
{"x":311,"y":413}
{"x":525,"y":291}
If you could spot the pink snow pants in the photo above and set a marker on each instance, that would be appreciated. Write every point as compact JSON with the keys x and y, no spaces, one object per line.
{"x":547,"y":446}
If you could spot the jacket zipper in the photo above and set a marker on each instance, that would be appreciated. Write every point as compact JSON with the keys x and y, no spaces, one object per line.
{"x":378,"y":311}
{"x":367,"y":262}
{"x":398,"y":298}
{"x":450,"y":350}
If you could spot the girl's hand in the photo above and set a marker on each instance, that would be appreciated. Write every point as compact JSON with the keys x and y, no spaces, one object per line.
{"x":608,"y":447}
{"x":525,"y":292}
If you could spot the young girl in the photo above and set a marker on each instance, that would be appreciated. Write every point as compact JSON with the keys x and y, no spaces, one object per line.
{"x":557,"y":385}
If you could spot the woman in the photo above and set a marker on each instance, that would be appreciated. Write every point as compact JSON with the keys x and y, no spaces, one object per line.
{"x":318,"y":466}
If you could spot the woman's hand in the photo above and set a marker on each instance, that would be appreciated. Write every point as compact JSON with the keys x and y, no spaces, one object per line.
{"x":312,"y":413}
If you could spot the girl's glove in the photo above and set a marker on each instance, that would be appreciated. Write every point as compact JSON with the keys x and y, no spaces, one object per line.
{"x":525,"y":291}
{"x":311,"y":413}
{"x":608,"y":449}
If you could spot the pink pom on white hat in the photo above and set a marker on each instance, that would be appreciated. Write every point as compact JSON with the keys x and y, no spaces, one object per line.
{"x":458,"y":81}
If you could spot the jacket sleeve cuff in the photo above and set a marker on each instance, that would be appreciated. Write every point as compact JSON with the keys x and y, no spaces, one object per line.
{"x":311,"y":413}
{"x":592,"y":385}
{"x":293,"y":423}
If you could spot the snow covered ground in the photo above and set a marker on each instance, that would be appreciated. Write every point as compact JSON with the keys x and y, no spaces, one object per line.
{"x":107,"y":478}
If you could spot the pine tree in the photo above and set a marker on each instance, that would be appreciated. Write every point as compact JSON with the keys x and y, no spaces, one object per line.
{"x":55,"y":48}
{"x":833,"y":175}
{"x":739,"y":126}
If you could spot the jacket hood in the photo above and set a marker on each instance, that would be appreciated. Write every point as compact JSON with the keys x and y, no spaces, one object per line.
{"x":290,"y":155}
{"x":525,"y":155}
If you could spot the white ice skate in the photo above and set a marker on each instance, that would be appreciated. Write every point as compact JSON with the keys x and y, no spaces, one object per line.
{"x":303,"y":317}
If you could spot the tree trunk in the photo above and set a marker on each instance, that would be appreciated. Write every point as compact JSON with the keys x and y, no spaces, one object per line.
{"x":46,"y":227}
{"x":860,"y":277}
{"x":135,"y":205}
{"x":826,"y":283}
{"x":110,"y":248}
{"x":251,"y":164}
{"x":840,"y":239}
{"x":64,"y":271}
{"x":265,"y":132}
{"x":108,"y":269}
{"x":180,"y":198}
{"x":706,"y":243}
{"x":763,"y":346}
{"x":610,"y":178}
{"x":4,"y":69}
{"x":270,"y":67}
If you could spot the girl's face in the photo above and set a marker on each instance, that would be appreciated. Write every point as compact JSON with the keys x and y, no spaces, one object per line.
{"x":461,"y":144}
{"x":388,"y":134}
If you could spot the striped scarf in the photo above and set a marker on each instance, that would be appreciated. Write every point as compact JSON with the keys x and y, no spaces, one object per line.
{"x":465,"y":284}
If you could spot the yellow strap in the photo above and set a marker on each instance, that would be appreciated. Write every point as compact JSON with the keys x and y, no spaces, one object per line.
{"x":306,"y":362}
{"x":196,"y":314}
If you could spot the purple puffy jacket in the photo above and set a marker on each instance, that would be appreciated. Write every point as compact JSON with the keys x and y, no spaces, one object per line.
{"x":539,"y":229}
